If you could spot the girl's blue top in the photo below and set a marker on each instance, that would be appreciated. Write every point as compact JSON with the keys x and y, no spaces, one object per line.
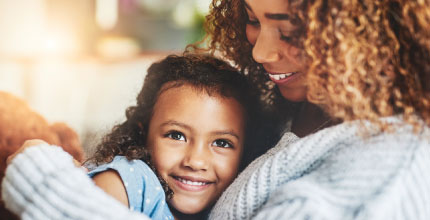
{"x":143,"y":188}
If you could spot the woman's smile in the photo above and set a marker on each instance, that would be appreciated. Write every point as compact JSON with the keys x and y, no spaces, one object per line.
{"x":268,"y":25}
{"x":283,"y":78}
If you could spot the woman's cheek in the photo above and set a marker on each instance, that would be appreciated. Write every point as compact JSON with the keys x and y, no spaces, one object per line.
{"x":251,"y":34}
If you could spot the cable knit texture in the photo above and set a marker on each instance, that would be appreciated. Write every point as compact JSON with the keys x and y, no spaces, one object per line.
{"x":42,"y":183}
{"x":336,"y":173}
{"x":332,"y":174}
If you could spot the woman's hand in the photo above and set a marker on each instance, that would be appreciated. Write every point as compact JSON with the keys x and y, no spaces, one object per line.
{"x":31,"y":143}
{"x":27,"y":144}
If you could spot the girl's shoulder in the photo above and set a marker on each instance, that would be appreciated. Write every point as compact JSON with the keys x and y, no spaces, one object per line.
{"x":125,"y":167}
{"x":144,"y":191}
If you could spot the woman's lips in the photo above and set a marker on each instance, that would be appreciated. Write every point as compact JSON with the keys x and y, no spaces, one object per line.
{"x":280,"y":78}
{"x":191,"y":183}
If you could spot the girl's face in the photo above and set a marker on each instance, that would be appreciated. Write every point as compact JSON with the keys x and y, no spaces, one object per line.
{"x":269,"y":30}
{"x":196,"y":142}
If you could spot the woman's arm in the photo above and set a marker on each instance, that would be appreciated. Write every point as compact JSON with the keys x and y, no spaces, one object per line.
{"x":42,"y":182}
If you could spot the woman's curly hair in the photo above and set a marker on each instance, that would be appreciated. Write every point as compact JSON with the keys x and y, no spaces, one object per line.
{"x":366,"y":59}
{"x":370,"y":58}
{"x":202,"y":72}
{"x":225,"y":28}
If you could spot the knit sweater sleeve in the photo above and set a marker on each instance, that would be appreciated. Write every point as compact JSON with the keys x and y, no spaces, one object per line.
{"x":43,"y":183}
{"x":383,"y":177}
{"x":336,"y":173}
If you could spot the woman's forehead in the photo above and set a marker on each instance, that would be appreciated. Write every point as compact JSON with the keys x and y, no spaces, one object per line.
{"x":268,"y":7}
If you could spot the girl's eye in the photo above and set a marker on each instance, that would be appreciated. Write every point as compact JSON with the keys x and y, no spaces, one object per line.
{"x":222,"y":143}
{"x":176,"y":135}
{"x":254,"y":23}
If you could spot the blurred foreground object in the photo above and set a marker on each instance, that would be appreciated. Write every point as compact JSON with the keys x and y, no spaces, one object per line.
{"x":19,"y":123}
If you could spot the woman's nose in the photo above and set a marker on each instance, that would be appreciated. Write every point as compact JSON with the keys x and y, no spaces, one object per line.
{"x":197,"y":157}
{"x":265,"y":48}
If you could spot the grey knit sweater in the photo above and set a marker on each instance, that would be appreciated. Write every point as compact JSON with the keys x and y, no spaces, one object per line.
{"x":332,"y":174}
{"x":336,"y":174}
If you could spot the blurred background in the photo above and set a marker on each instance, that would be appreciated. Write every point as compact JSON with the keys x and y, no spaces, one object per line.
{"x":82,"y":62}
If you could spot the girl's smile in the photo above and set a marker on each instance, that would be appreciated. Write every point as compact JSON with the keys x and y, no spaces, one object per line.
{"x":196,"y":142}
{"x":192,"y":184}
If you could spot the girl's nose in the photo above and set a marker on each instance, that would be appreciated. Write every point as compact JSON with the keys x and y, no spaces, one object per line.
{"x":197,"y":157}
{"x":265,"y":49}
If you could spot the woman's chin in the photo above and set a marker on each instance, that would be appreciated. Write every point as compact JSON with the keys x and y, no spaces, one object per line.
{"x":294,"y":96}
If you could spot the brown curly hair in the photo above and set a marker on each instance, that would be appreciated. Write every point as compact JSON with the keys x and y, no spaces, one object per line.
{"x":366,"y":59}
{"x":229,"y":39}
{"x":203,"y":72}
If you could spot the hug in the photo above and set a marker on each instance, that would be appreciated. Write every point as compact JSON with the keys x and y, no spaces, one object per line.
{"x":312,"y":109}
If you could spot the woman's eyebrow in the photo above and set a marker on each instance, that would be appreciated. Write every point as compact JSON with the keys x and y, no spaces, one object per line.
{"x":277,"y":16}
{"x":273,"y":16}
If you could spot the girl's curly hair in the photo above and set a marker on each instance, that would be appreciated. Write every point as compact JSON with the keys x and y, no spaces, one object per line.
{"x":366,"y":59}
{"x":211,"y":75}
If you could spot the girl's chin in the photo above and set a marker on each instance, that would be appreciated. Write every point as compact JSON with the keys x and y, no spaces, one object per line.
{"x":187,"y":213}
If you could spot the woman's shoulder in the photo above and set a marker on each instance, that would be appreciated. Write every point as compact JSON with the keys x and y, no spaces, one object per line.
{"x":330,"y":159}
{"x":356,"y":176}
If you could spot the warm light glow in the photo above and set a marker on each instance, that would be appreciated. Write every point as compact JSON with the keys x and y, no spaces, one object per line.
{"x":59,"y":43}
{"x":106,"y":13}
{"x":20,"y":27}
{"x":27,"y":32}
{"x":116,"y":47}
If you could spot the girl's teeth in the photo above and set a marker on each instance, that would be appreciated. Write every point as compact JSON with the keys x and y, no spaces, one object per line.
{"x":188,"y":182}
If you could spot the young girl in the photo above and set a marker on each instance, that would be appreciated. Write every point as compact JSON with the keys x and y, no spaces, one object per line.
{"x":185,"y":137}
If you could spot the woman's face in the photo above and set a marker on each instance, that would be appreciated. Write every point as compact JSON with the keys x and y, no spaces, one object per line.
{"x":269,"y":30}
{"x":196,"y":142}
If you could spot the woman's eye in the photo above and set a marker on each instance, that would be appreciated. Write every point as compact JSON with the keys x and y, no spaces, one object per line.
{"x":222,"y":143}
{"x":252,"y":22}
{"x":176,"y":135}
{"x":285,"y":37}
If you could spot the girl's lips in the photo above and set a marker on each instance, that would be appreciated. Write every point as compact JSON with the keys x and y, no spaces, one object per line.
{"x":191,"y":184}
{"x":281,"y":78}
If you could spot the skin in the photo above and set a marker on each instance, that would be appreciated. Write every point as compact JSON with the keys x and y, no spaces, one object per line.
{"x":269,"y":30}
{"x":199,"y":144}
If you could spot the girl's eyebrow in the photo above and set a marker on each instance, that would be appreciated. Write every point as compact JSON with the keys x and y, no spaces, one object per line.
{"x":231,"y":133}
{"x":176,"y":123}
{"x":273,"y":16}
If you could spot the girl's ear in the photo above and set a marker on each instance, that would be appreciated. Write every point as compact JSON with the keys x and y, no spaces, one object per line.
{"x":69,"y":140}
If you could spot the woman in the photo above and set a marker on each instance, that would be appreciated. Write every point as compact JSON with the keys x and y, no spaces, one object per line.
{"x":366,"y":65}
